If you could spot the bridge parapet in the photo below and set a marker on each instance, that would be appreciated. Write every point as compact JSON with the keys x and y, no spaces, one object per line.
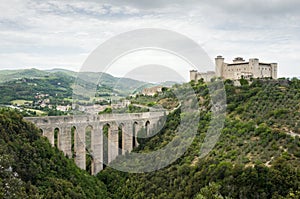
{"x":55,"y":120}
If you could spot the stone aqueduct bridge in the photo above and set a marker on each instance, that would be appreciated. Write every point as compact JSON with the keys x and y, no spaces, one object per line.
{"x":129,"y":124}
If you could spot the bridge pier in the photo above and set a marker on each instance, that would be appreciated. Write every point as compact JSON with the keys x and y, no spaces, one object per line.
{"x":65,"y":140}
{"x":113,"y":140}
{"x":127,"y":133}
{"x":48,"y":132}
{"x":97,"y":149}
{"x":79,"y":147}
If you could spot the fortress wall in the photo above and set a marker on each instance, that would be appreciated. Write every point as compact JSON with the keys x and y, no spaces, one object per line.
{"x":266,"y":71}
{"x":205,"y":76}
{"x":231,"y":70}
{"x":225,"y":71}
{"x":208,"y":76}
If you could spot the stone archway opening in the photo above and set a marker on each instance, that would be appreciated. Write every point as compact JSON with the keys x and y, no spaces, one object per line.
{"x":56,"y":138}
{"x":106,"y":131}
{"x":147,"y":127}
{"x":120,"y":138}
{"x":73,"y":138}
{"x":134,"y":134}
{"x":88,"y":149}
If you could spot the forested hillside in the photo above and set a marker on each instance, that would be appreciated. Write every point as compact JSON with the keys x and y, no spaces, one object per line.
{"x":59,"y":84}
{"x":31,"y":168}
{"x":255,"y":156}
{"x":58,"y":87}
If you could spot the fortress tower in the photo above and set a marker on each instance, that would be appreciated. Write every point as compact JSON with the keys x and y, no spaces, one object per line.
{"x":219,"y":60}
{"x":274,"y":70}
{"x":193,"y":75}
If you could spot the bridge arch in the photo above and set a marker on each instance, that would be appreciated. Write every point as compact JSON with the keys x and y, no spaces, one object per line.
{"x":57,"y":137}
{"x":73,"y":138}
{"x":121,"y":136}
{"x":89,"y":159}
{"x":147,"y":127}
{"x":105,"y":137}
{"x":134,"y":134}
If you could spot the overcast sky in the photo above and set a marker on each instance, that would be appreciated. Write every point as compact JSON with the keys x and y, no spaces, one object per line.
{"x":48,"y":34}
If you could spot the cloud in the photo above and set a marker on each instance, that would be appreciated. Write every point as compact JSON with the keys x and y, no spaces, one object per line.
{"x":40,"y":32}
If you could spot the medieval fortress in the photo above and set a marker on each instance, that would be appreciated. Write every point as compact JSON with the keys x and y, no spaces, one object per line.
{"x":237,"y":70}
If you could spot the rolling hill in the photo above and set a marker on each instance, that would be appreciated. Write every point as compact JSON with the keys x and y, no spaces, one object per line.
{"x":24,"y":84}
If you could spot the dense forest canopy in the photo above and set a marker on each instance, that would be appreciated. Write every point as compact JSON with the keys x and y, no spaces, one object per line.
{"x":32,"y":168}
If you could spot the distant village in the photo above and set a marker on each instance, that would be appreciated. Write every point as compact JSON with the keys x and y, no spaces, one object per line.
{"x":43,"y":101}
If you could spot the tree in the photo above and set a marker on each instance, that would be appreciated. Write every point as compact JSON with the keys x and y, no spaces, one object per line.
{"x":212,"y":191}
